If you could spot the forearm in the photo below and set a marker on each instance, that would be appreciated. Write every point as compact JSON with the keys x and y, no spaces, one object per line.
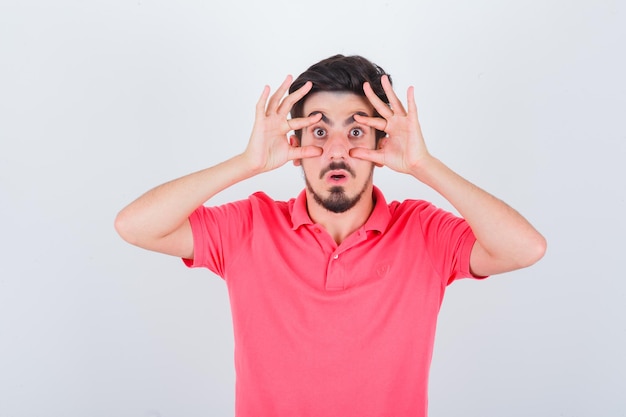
{"x":507,"y":238}
{"x":163,"y":210}
{"x":158,"y":220}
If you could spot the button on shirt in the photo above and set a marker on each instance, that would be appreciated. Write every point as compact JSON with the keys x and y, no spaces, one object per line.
{"x":332,"y":330}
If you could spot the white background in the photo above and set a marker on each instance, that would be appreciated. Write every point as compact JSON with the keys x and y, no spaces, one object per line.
{"x":102,"y":100}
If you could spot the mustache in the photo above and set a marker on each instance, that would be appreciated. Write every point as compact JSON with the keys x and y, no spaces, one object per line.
{"x":337,"y":165}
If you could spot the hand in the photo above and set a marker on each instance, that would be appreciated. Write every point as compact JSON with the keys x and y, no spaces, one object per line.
{"x":268,"y":147}
{"x":403,"y":149}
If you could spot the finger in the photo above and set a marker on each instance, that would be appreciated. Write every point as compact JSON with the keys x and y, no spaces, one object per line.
{"x":377,"y":123}
{"x":293,"y":98}
{"x":302,"y":122}
{"x":262,"y":103}
{"x":410,"y":100}
{"x":303,"y":152}
{"x":394,"y":101}
{"x":371,"y":155}
{"x":272,"y":106}
{"x":381,"y":107}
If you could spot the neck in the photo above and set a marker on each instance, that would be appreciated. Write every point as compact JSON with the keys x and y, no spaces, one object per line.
{"x":341,"y":225}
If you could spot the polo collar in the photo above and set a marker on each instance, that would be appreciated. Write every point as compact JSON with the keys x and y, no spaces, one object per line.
{"x":378,"y":220}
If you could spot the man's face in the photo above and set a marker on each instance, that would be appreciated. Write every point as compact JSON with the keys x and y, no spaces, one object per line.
{"x":335,"y":180}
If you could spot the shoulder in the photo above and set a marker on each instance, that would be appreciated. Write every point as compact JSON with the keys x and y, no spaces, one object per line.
{"x":238,"y":218}
{"x":256,"y":205}
{"x":411,"y":207}
{"x":262,"y":201}
{"x":425,"y":215}
{"x":265,"y":210}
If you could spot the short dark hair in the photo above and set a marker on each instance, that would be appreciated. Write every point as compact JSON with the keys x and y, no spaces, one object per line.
{"x":340,"y":73}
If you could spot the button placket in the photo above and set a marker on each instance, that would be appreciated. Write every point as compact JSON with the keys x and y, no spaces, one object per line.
{"x":335,"y":274}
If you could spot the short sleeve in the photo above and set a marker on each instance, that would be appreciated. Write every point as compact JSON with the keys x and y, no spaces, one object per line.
{"x":449,"y":241}
{"x":217,"y":234}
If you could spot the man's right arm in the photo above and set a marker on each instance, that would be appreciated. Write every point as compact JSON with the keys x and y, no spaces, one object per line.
{"x":159,"y":219}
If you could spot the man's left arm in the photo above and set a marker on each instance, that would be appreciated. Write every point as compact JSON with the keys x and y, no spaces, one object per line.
{"x":505,"y":240}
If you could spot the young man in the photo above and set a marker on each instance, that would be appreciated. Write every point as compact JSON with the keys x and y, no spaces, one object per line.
{"x":335,"y":293}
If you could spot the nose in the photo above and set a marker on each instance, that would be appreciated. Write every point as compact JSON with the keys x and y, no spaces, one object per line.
{"x":337,"y":146}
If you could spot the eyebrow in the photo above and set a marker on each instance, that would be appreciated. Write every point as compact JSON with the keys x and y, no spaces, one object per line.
{"x":346,"y":122}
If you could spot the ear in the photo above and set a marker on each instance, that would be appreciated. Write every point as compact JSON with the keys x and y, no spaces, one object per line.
{"x":295,"y":142}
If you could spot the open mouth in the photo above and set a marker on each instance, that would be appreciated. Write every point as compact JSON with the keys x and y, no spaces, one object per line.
{"x":337,"y":173}
{"x":337,"y":177}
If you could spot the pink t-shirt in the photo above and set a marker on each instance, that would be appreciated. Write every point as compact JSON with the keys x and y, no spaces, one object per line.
{"x":327,"y":330}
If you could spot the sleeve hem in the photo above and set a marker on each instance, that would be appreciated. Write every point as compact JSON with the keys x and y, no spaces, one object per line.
{"x":194,"y":222}
{"x":467,"y":256}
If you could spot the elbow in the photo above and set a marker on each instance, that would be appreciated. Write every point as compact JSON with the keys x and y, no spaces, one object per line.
{"x":535,"y":250}
{"x":122,"y":225}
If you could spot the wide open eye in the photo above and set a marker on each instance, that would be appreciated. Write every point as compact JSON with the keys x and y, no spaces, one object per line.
{"x":318,"y":132}
{"x":356,"y":132}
